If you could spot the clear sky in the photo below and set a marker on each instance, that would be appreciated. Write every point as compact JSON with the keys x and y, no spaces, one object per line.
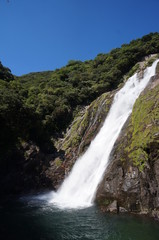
{"x":37,"y":35}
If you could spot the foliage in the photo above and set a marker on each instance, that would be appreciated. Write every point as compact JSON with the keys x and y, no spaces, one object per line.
{"x":18,"y":122}
{"x":5,"y":73}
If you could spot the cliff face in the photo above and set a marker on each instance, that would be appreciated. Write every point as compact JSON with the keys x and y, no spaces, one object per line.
{"x":131,"y":181}
{"x":78,"y":137}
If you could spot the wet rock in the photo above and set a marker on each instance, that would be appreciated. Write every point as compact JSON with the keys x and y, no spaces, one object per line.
{"x":131,"y":180}
{"x":122,"y":210}
{"x":113,"y":207}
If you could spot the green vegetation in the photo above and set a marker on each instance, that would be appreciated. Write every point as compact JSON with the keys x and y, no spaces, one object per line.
{"x":39,"y":106}
{"x":58,"y":162}
{"x":133,"y":70}
{"x":5,"y":73}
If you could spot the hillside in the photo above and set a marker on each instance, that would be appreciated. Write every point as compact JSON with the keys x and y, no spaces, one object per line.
{"x":37,"y":108}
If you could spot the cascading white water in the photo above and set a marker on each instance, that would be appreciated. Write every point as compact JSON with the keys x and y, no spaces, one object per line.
{"x":79,"y":188}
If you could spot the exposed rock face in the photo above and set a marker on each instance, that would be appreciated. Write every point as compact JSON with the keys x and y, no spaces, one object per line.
{"x":78,"y":137}
{"x":132,"y":177}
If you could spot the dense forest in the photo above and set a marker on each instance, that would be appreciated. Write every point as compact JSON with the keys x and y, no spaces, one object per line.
{"x":39,"y":106}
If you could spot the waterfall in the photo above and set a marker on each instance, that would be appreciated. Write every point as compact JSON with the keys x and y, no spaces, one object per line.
{"x":79,"y":188}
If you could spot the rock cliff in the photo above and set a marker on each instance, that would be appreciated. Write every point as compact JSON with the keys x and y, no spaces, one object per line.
{"x":131,"y":181}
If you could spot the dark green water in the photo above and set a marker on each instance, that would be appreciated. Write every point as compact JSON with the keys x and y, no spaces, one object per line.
{"x":31,"y":218}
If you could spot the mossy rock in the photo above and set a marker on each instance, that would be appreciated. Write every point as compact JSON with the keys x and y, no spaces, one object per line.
{"x":143,"y":129}
{"x":88,"y":122}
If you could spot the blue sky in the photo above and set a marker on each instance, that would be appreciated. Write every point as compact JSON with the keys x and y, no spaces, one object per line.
{"x":37,"y":35}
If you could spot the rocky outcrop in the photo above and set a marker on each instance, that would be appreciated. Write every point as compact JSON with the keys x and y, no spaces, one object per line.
{"x":132,"y":177}
{"x":78,"y":137}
